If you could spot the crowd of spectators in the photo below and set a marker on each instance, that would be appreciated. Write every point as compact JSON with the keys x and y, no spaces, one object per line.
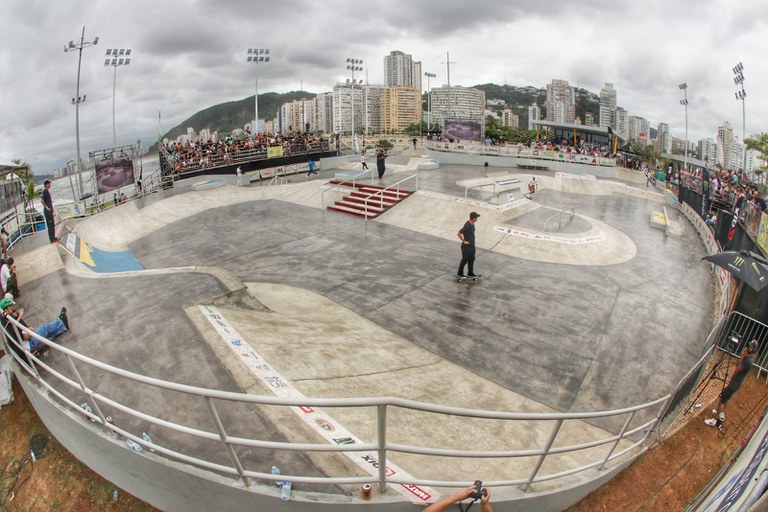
{"x":197,"y":155}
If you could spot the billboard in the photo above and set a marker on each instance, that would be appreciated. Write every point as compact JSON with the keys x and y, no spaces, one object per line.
{"x":114,"y":169}
{"x":463,"y":129}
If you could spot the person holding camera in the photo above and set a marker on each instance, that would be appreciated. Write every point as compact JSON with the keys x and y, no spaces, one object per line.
{"x":476,"y":492}
{"x":742,"y":369}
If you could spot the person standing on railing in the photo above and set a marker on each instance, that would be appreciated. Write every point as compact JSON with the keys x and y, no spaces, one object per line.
{"x":48,"y":211}
{"x":485,"y":501}
{"x":742,"y":369}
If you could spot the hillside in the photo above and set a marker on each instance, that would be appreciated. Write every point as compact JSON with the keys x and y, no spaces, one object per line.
{"x":518,"y":99}
{"x":226,"y":117}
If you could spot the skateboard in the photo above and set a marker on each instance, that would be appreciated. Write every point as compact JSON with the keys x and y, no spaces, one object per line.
{"x":467,"y":278}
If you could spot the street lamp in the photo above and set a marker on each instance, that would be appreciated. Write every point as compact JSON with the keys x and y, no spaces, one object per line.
{"x":70,"y":47}
{"x":684,"y":103}
{"x":116,"y":57}
{"x":429,"y":100}
{"x":738,"y":79}
{"x":354,"y":65}
{"x":257,"y":55}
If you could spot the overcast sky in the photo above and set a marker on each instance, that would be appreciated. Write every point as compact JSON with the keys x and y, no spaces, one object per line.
{"x":188,"y":55}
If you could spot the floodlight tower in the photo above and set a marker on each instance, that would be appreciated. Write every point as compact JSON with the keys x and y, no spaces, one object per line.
{"x":70,"y":47}
{"x":429,"y":100}
{"x":116,"y":57}
{"x":257,"y":56}
{"x":738,"y":79}
{"x":354,"y":65}
{"x":684,"y":103}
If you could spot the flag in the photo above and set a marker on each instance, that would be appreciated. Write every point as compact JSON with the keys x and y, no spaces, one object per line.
{"x":159,"y":130}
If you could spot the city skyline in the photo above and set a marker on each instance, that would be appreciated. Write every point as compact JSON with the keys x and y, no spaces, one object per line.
{"x":192,"y":57}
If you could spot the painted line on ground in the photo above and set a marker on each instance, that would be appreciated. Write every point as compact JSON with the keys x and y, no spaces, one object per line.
{"x":322,"y":423}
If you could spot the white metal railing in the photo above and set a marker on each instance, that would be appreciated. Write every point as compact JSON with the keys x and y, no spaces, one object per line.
{"x":70,"y":389}
{"x":395,"y":187}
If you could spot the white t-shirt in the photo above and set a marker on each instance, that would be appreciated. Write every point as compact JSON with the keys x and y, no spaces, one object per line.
{"x":5,"y":275}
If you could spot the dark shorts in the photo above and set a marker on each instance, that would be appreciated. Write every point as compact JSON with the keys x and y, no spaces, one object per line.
{"x":727,"y":394}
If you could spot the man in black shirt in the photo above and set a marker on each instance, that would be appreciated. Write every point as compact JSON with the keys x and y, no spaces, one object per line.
{"x":48,"y":211}
{"x":742,"y":369}
{"x":467,"y":237}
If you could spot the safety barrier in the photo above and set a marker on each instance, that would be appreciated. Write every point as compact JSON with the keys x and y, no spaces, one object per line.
{"x":71,"y":379}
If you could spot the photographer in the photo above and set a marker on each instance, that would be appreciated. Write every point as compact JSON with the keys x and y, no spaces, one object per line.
{"x":460,"y":496}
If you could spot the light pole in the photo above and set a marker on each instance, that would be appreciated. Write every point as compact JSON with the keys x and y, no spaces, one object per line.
{"x":429,"y":100}
{"x":116,"y":57}
{"x":257,"y":55}
{"x":72,"y":46}
{"x":354,"y":65}
{"x":684,"y":103}
{"x":738,"y":79}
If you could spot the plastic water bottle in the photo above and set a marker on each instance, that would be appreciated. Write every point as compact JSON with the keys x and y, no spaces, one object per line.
{"x":148,"y":439}
{"x":276,"y":471}
{"x":285,"y":492}
{"x":115,"y":495}
{"x":133,"y":445}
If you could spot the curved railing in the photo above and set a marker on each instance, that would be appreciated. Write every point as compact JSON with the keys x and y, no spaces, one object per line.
{"x":66,"y":375}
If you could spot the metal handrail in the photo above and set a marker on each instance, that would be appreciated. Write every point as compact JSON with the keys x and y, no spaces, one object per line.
{"x":393,"y":187}
{"x":31,"y":364}
{"x":559,"y":216}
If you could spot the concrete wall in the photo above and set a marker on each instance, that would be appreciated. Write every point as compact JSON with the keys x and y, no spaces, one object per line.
{"x":172,"y":486}
{"x":446,"y":157}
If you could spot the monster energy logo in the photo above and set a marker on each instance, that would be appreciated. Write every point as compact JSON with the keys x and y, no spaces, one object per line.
{"x":739,"y":261}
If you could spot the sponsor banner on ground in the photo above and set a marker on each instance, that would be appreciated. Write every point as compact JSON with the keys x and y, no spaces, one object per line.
{"x":322,"y":423}
{"x":550,"y":238}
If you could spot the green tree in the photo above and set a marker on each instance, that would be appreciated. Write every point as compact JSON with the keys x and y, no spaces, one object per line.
{"x":26,"y":175}
{"x":760,"y":144}
{"x":384,"y":144}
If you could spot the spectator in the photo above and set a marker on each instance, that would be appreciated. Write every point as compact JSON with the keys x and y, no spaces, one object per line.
{"x":49,"y":331}
{"x":8,"y":278}
{"x":460,"y":496}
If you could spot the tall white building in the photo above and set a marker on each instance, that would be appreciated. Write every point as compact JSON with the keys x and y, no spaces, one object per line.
{"x":457,"y":102}
{"x":401,"y":69}
{"x":346,"y":95}
{"x":608,"y":106}
{"x":708,"y":151}
{"x":621,"y":118}
{"x":639,"y":130}
{"x":665,"y":140}
{"x":324,"y":112}
{"x":561,"y":102}
{"x":372,"y":98}
{"x":724,"y":142}
{"x":534,"y":114}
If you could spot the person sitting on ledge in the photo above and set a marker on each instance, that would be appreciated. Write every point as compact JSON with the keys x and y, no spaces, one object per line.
{"x":49,"y":331}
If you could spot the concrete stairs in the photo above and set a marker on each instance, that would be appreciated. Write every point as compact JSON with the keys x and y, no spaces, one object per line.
{"x":377,"y":201}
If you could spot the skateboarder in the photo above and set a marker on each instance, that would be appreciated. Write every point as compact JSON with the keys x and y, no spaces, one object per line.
{"x":467,"y":236}
{"x":744,"y":365}
{"x":532,"y":186}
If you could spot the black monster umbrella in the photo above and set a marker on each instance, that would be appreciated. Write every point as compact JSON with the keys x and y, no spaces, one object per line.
{"x":748,"y":267}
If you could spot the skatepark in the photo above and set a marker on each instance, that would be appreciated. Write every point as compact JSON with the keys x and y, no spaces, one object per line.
{"x":583,"y":307}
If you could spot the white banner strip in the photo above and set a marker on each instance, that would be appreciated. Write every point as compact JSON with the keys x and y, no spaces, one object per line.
{"x":319,"y":421}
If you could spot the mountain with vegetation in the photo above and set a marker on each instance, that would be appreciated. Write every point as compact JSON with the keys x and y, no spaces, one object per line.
{"x":229,"y":116}
{"x":518,"y":99}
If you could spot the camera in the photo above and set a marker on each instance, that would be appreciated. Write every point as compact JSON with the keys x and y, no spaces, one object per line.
{"x":479,"y":492}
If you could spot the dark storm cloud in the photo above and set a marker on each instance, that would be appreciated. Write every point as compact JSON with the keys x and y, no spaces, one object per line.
{"x":190,"y":54}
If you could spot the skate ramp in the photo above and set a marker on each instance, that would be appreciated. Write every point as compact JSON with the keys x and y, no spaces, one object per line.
{"x":443,"y":216}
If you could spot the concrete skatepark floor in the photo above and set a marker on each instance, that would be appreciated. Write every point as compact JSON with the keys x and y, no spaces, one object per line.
{"x":290,"y":245}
